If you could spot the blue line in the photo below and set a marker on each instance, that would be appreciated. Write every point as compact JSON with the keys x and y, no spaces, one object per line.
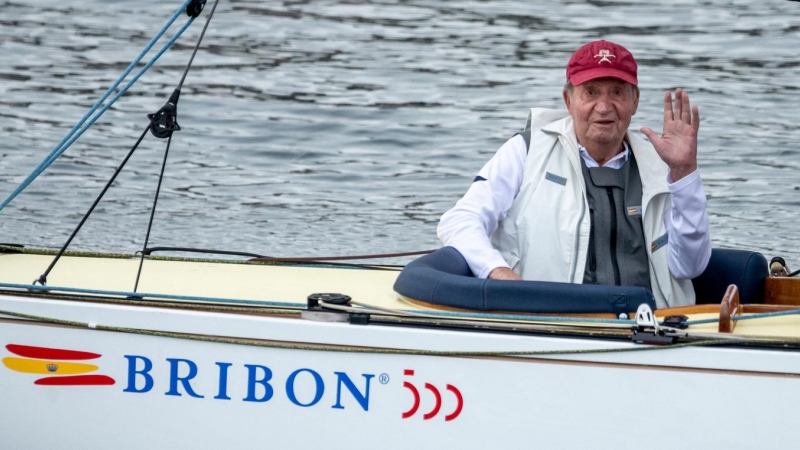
{"x":122,"y":91}
{"x":141,"y":295}
{"x":747,"y":317}
{"x":701,"y":321}
{"x":60,"y":147}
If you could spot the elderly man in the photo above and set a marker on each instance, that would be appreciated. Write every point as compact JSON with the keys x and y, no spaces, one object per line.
{"x":578,"y":198}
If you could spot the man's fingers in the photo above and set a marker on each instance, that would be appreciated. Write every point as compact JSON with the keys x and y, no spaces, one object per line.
{"x":686,"y":110}
{"x":678,"y":115}
{"x":696,"y":120}
{"x":668,"y":107}
{"x":651,"y":135}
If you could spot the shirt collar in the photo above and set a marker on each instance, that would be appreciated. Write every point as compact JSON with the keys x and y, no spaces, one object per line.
{"x":614,"y":163}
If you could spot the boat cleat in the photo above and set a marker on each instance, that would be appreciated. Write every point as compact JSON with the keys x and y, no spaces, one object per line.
{"x":647,"y":330}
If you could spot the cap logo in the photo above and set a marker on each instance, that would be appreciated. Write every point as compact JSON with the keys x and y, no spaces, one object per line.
{"x":604,"y":54}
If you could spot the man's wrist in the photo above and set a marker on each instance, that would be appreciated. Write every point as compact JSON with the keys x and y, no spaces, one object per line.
{"x":503,"y":273}
{"x":679,"y":172}
{"x":685,"y":185}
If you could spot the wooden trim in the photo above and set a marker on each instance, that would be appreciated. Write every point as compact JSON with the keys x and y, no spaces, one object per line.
{"x":729,"y":309}
{"x":782,"y":291}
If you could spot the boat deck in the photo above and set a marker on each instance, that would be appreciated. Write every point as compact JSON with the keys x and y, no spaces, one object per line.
{"x":191,"y":278}
{"x":288,"y":285}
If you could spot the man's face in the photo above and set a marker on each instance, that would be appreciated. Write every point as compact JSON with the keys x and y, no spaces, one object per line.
{"x":601,"y":110}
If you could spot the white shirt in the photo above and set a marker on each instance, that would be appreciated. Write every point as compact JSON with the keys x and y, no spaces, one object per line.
{"x":468,"y":225}
{"x":614,"y":163}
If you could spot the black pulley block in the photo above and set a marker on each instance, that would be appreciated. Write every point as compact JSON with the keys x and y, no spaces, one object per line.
{"x":194,"y":8}
{"x":164,"y":121}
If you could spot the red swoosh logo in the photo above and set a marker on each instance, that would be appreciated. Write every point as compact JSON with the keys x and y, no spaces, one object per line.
{"x":76,"y":380}
{"x":27,"y":351}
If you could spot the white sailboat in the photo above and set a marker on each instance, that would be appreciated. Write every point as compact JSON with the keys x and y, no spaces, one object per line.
{"x":209,"y":353}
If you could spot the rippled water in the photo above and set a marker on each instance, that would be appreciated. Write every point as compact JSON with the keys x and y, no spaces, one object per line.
{"x":349,"y":127}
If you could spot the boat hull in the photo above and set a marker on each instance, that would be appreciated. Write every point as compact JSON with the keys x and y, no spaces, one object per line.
{"x":279,"y":392}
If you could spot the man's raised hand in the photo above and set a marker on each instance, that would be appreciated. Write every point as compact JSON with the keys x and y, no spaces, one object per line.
{"x":677,"y":145}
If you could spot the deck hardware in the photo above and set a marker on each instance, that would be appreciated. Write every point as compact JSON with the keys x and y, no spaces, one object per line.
{"x":676,"y":322}
{"x":164,"y":121}
{"x":645,"y":317}
{"x":318,"y":313}
{"x":336,"y":299}
{"x":42,"y":280}
{"x":778,"y":268}
{"x":647,"y":330}
{"x":323,"y":308}
{"x":359,"y":319}
{"x":653,"y":338}
{"x":194,"y":8}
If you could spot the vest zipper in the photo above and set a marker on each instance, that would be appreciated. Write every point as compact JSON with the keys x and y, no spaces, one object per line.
{"x":614,"y":262}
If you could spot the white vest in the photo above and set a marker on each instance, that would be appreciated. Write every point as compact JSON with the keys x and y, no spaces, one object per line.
{"x":545,"y":235}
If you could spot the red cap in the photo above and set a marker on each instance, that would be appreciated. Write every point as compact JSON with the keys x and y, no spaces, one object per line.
{"x":601,"y":59}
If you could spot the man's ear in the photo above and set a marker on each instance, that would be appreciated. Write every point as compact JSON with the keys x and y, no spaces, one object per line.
{"x":635,"y":99}
{"x":565,"y":94}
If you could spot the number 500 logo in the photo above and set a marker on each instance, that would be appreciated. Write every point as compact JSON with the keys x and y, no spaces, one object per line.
{"x":437,"y":395}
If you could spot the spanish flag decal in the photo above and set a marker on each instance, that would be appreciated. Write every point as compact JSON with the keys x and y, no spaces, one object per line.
{"x":58,"y":364}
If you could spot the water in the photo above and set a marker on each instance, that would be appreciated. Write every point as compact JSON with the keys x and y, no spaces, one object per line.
{"x":349,"y":127}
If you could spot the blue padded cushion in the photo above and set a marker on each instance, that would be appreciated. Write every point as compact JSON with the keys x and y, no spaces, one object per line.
{"x":746,"y":269}
{"x":444,"y":278}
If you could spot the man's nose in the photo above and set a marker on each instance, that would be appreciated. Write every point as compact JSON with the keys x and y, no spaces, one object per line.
{"x":603,"y":104}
